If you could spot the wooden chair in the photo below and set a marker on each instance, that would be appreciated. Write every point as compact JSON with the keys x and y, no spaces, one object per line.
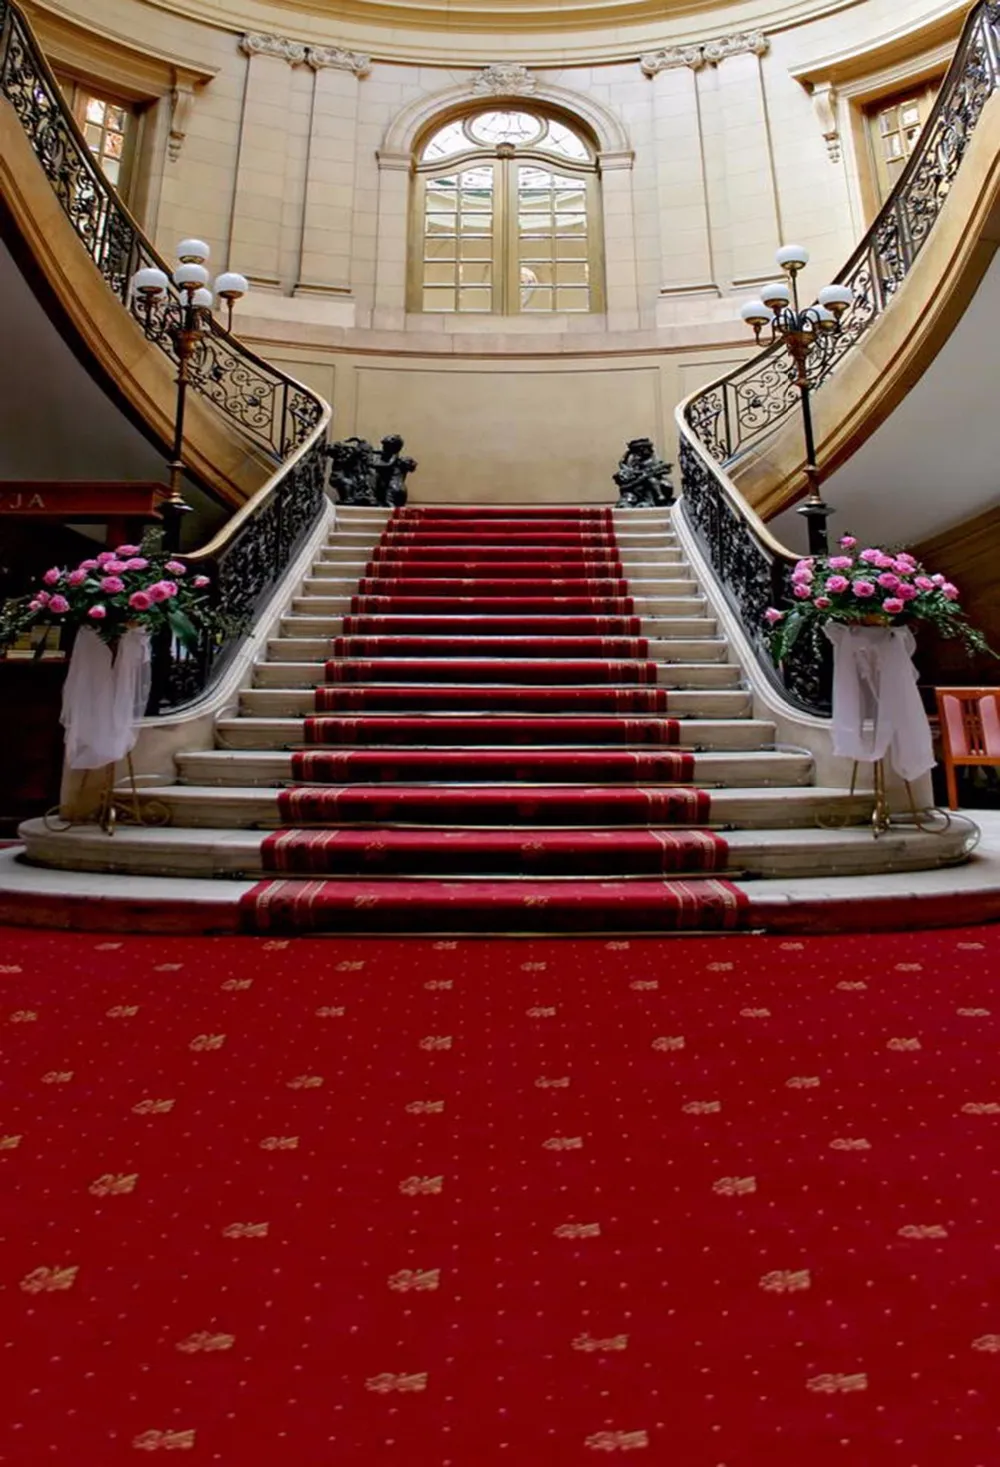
{"x":970,"y":731}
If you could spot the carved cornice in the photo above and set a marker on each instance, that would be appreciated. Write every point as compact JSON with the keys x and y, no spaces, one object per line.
{"x":709,"y":53}
{"x":336,"y":58}
{"x":256,"y":43}
{"x":503,"y":79}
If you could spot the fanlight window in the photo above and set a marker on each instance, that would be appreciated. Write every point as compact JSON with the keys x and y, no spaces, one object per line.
{"x":506,"y":218}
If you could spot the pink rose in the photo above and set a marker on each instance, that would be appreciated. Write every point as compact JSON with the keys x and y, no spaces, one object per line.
{"x":58,"y":604}
{"x":893,"y":605}
{"x":938,"y":580}
{"x":822,"y":602}
{"x":76,"y":578}
{"x":35,"y":605}
{"x":863,"y":588}
{"x":848,"y":542}
{"x":52,"y":577}
{"x":903,"y":567}
{"x":111,"y":585}
{"x":43,"y":597}
{"x":888,"y":581}
{"x":88,"y":565}
{"x":804,"y":565}
{"x":97,"y":613}
{"x":924,"y":583}
{"x":885,"y":562}
{"x":772,"y":616}
{"x":127,"y":550}
{"x":837,"y":584}
{"x":158,"y":591}
{"x":139,"y":601}
{"x":105,"y":556}
{"x":802,"y":591}
{"x":949,"y":591}
{"x":906,"y":558}
{"x":169,"y":588}
{"x":114,"y":567}
{"x":802,"y":578}
{"x":870,"y":557}
{"x":136,"y":563}
{"x":201,"y":581}
{"x":906,"y":592}
{"x":176,"y":567}
{"x":841,"y":562}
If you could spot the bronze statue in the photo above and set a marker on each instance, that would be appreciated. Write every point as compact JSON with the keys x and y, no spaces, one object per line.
{"x":643,"y":478}
{"x":363,"y":475}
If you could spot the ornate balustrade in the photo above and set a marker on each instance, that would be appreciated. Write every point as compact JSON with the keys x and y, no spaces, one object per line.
{"x":277,"y":414}
{"x":718,"y":424}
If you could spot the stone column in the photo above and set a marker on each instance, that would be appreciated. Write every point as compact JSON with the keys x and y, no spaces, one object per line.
{"x":391,"y":241}
{"x":743,"y":156}
{"x":327,"y":224}
{"x":687,"y":266}
{"x":256,"y":232}
{"x":621,"y":277}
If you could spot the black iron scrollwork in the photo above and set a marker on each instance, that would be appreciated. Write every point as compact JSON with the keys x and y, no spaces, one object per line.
{"x":245,"y":573}
{"x":735,"y":412}
{"x":752,"y":578}
{"x":271,"y":409}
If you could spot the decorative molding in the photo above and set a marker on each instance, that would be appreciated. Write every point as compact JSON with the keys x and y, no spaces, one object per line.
{"x":181,"y":107}
{"x":337,"y":58}
{"x":406,"y":128}
{"x":610,"y":162}
{"x":503,"y":79}
{"x":824,"y":100}
{"x":753,"y":42}
{"x":672,"y":58}
{"x":708,"y":53}
{"x":257,"y":43}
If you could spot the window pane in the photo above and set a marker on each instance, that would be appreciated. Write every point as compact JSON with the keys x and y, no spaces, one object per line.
{"x":571,"y":249}
{"x":95,"y":110}
{"x":492,"y":128}
{"x":450,"y":139}
{"x":572,"y":224}
{"x":475,"y":249}
{"x":442,"y":193}
{"x":561,"y":140}
{"x":570,"y":200}
{"x":113,"y":144}
{"x":478,"y":272}
{"x":439,"y":272}
{"x":475,"y":299}
{"x":439,"y":300}
{"x":909,"y":114}
{"x":110,"y":167}
{"x":572,"y":299}
{"x":115,"y":118}
{"x":441,"y":224}
{"x":94,"y":135}
{"x":538,"y":300}
{"x":572,"y":273}
{"x":478,"y":224}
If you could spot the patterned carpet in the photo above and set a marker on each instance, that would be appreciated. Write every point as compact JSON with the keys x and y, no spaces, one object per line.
{"x":411,"y":1203}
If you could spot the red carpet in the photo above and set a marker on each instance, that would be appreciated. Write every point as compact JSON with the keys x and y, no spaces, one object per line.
{"x":471,"y":1204}
{"x":509,"y":822}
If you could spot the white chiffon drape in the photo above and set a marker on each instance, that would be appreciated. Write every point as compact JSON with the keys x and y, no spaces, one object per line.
{"x":104,"y":696}
{"x":877,"y":710}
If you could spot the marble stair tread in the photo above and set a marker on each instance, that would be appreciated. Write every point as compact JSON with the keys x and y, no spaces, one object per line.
{"x":716,"y":674}
{"x":269,"y":733}
{"x":709,"y":703}
{"x":236,"y":853}
{"x":661,"y":649}
{"x":712,"y":768}
{"x":299,"y":626}
{"x":767,"y":807}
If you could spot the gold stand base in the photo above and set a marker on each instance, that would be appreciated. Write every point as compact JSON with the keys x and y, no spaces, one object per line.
{"x":91,"y":798}
{"x":932,"y":821}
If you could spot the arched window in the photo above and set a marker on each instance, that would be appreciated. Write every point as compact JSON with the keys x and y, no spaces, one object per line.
{"x":506,"y":217}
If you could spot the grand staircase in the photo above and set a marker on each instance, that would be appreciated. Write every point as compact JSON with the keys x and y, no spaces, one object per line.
{"x":498,"y":719}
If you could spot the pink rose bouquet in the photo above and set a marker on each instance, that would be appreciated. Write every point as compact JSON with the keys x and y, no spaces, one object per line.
{"x":113,"y":591}
{"x":864,"y":586}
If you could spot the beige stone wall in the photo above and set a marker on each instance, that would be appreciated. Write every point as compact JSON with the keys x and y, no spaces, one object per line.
{"x":284,"y":137}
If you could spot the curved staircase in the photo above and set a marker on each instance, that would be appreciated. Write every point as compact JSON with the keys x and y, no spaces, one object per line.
{"x":498,"y":719}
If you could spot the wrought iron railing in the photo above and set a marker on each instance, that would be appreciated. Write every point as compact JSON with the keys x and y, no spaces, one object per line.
{"x":718,"y":424}
{"x":265,"y":406}
{"x":746,"y":405}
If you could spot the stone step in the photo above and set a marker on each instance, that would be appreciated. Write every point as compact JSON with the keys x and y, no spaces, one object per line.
{"x":227,"y":807}
{"x":211,"y":853}
{"x":282,"y":733}
{"x":330,"y":580}
{"x":708,"y":703}
{"x":301,"y":626}
{"x":713,"y":769}
{"x":661,"y":649}
{"x":645,"y":606}
{"x":714,"y":674}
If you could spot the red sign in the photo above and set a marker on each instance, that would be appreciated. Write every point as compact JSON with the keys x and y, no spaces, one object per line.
{"x":83,"y":500}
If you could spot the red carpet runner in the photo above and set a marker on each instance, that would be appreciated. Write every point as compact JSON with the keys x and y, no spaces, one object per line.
{"x":507,"y":702}
{"x":473,"y":1204}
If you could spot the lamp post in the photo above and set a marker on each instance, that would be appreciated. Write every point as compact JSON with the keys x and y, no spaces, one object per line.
{"x":778,"y":307}
{"x":185,"y":327}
